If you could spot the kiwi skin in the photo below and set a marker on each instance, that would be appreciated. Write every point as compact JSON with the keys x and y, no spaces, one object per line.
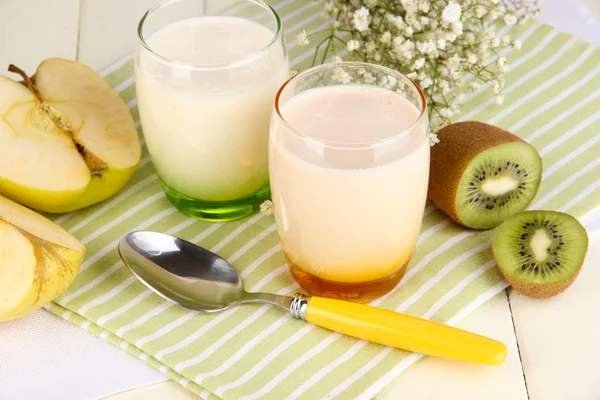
{"x":541,"y":291}
{"x":460,"y":142}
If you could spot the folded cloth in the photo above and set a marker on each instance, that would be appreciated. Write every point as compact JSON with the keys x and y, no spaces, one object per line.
{"x":258,"y":351}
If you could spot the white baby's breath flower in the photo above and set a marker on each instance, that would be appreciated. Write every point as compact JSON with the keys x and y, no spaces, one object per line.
{"x":337,"y":24}
{"x":441,"y":44}
{"x":425,"y":83}
{"x":501,"y":61}
{"x":397,"y":42}
{"x":340,"y":75}
{"x":424,"y":21}
{"x":424,"y":6}
{"x":368,"y":78}
{"x":453,"y":61}
{"x":410,"y":18}
{"x":429,"y":47}
{"x":388,"y":82}
{"x":452,"y":12}
{"x":472,"y":58}
{"x":399,"y":22}
{"x":353,"y":45}
{"x":418,"y":64}
{"x":408,"y":31}
{"x":510,"y":19}
{"x":474,"y":86}
{"x":370,"y":47}
{"x":480,"y":11}
{"x":360,"y":19}
{"x":499,"y":100}
{"x":444,"y":85}
{"x":457,"y":27}
{"x":497,"y":88}
{"x":337,"y":59}
{"x":450,"y":36}
{"x":495,"y":42}
{"x":460,"y":96}
{"x":386,"y":37}
{"x":493,"y":14}
{"x":294,"y":72}
{"x":410,"y":6}
{"x":302,"y":38}
{"x":433,"y":139}
{"x":446,"y":112}
{"x":516,"y":44}
{"x":412,"y":75}
{"x":266,"y":208}
{"x":505,"y":40}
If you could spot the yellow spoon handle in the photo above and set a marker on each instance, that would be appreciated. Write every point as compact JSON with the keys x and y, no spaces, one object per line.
{"x":403,"y":331}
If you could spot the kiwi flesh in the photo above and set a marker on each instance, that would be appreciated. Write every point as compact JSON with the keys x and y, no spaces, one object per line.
{"x":540,"y":253}
{"x":481,"y":174}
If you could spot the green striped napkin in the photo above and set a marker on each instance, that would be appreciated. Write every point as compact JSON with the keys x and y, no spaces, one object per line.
{"x":258,"y":351}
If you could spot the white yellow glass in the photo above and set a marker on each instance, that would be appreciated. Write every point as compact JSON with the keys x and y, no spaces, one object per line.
{"x":349,"y":170}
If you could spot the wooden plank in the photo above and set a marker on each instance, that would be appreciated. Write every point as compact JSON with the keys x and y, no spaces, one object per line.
{"x":109,"y":29}
{"x":33,"y":30}
{"x":437,"y":379}
{"x":558,"y":337}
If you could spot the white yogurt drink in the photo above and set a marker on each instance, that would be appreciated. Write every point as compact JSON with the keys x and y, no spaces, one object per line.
{"x":348,"y":212}
{"x":205,"y":94}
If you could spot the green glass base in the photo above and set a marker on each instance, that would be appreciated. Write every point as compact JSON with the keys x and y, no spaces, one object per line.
{"x":217,"y":211}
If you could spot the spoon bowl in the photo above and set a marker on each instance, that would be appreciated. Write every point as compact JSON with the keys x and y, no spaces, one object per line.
{"x":184,"y":273}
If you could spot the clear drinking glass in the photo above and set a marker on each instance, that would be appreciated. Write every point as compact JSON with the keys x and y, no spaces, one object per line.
{"x":207,"y":72}
{"x":349,"y":170}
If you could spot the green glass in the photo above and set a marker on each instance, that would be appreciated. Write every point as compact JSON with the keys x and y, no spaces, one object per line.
{"x":204,"y":112}
{"x":216,"y":211}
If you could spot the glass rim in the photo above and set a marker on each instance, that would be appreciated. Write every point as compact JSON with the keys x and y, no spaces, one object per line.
{"x":405,"y":132}
{"x":208,"y":67}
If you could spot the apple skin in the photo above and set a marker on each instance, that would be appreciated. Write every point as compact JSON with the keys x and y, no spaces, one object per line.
{"x":39,"y":246}
{"x":100,"y":188}
{"x":55,"y":271}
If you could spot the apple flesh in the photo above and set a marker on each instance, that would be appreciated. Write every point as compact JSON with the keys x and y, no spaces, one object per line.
{"x":38,"y":260}
{"x":67,"y":140}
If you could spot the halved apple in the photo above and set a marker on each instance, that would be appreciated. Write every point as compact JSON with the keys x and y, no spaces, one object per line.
{"x":38,"y":260}
{"x":67,"y":140}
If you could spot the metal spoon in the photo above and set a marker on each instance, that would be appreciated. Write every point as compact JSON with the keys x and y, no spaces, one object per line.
{"x":196,"y":278}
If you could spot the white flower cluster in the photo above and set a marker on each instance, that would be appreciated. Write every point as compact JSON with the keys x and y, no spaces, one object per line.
{"x":266,"y":207}
{"x":440,"y":44}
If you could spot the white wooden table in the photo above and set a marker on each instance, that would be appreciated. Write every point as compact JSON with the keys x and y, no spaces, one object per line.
{"x":554,"y":350}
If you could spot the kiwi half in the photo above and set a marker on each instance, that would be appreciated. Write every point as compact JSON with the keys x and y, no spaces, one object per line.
{"x":540,"y":253}
{"x":481,"y":174}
